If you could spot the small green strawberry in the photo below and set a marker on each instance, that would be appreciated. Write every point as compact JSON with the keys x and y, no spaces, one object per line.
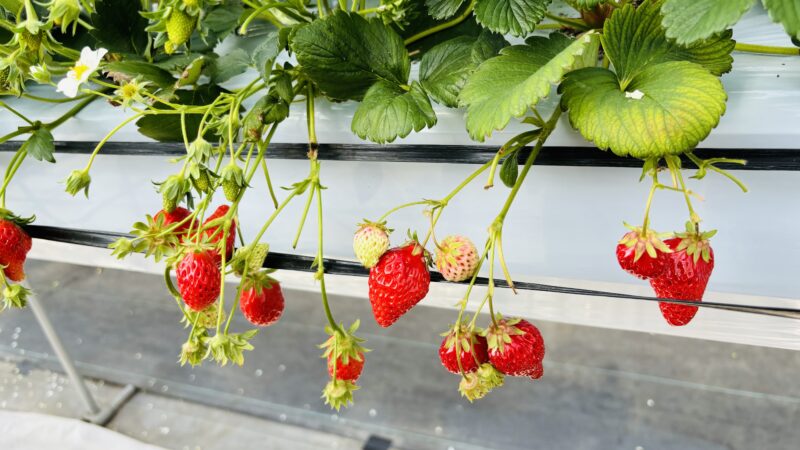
{"x":477,"y":384}
{"x":232,"y":181}
{"x":180,"y":27}
{"x":370,"y":242}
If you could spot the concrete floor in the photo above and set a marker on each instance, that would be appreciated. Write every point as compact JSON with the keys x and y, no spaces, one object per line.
{"x":602,"y":388}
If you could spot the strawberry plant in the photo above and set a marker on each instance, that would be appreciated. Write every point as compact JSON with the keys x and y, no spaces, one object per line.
{"x":640,"y":79}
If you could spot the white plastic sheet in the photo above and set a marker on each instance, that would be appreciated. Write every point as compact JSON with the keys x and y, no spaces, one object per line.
{"x":31,"y":431}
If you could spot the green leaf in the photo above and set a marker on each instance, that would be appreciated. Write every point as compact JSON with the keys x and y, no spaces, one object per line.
{"x":423,"y":22}
{"x":143,"y":70}
{"x":507,"y":85}
{"x":445,"y":68}
{"x":229,"y":65}
{"x":40,"y":145}
{"x":787,"y":12}
{"x":687,"y":21}
{"x":345,"y":54}
{"x":442,"y":9}
{"x":666,"y":109}
{"x":634,"y":40}
{"x":264,"y":55}
{"x":509,"y":170}
{"x":389,"y":111}
{"x":12,"y":6}
{"x":119,"y":27}
{"x":167,"y":128}
{"x":516,"y":17}
{"x":221,"y":21}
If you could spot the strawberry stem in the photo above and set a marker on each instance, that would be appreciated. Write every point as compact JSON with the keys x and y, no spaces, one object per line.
{"x":655,"y":185}
{"x":320,"y":263}
{"x":674,"y":164}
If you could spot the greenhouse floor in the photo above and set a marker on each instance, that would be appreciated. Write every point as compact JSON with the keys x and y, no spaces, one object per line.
{"x":602,"y":388}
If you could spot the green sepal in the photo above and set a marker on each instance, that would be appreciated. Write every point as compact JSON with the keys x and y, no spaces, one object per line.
{"x":224,"y":348}
{"x":78,"y":180}
{"x":15,"y":296}
{"x":338,"y":393}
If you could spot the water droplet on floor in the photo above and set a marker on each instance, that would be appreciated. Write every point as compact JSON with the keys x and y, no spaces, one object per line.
{"x":451,"y":448}
{"x":164,"y":388}
{"x":372,"y":412}
{"x":149,"y":406}
{"x":192,"y":377}
{"x":79,"y":341}
{"x":137,"y":355}
{"x":334,"y":417}
{"x":164,"y":430}
{"x":15,"y":336}
{"x":650,"y":402}
{"x":55,"y":283}
{"x":639,"y":447}
{"x":438,"y":430}
{"x":282,"y":417}
{"x":259,"y":372}
{"x":281,"y":368}
{"x":14,"y":344}
{"x":17,"y":330}
{"x":151,"y":382}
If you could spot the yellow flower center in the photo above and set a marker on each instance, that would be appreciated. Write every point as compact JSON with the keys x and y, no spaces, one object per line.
{"x":129,"y":91}
{"x":79,"y":70}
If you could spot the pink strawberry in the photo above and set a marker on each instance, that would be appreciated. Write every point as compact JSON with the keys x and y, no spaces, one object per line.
{"x":643,"y":255}
{"x":215,"y":233}
{"x":14,"y":247}
{"x":198,"y":279}
{"x":516,"y":348}
{"x":686,"y":274}
{"x":398,"y":282}
{"x":456,"y":258}
{"x":262,"y":300}
{"x":472,"y":350}
{"x":370,"y":242}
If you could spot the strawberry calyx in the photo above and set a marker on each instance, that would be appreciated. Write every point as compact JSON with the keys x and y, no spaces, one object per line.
{"x":14,"y":295}
{"x":338,"y":393}
{"x":343,"y":344}
{"x":499,"y":333}
{"x":224,"y":347}
{"x":418,"y":248}
{"x":381,"y":226}
{"x":695,"y":243}
{"x":476,"y":385}
{"x":644,"y":241}
{"x":463,"y":335}
{"x":6,"y":214}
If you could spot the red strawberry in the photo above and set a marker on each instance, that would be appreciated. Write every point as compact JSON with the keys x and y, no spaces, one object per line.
{"x":348,"y":371}
{"x":643,"y":255}
{"x":198,"y":279}
{"x":686,"y":274}
{"x":14,"y":247}
{"x":215,"y":233}
{"x":516,"y":348}
{"x":472,"y":351}
{"x":262,"y":300}
{"x":176,"y":216}
{"x":398,"y":282}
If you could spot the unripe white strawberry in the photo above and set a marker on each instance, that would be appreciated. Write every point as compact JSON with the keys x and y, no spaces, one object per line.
{"x":370,"y":242}
{"x":456,"y":258}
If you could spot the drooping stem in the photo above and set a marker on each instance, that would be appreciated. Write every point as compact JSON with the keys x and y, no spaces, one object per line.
{"x":320,"y":264}
{"x":646,"y":220}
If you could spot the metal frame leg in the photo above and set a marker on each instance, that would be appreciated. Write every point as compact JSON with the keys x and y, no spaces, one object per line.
{"x":94,"y":414}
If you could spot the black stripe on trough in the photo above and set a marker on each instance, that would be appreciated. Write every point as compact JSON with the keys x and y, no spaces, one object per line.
{"x":342,"y":267}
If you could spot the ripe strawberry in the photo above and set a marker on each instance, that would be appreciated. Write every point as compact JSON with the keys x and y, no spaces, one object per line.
{"x":398,"y":282}
{"x":176,"y":216}
{"x":370,"y":242}
{"x":686,"y":274}
{"x":262,"y":300}
{"x":516,"y":348}
{"x":345,"y":357}
{"x":180,"y":27}
{"x":643,"y":255}
{"x":215,"y":233}
{"x":348,"y":370}
{"x":14,"y":247}
{"x":472,"y":350}
{"x":456,"y":258}
{"x":198,"y":279}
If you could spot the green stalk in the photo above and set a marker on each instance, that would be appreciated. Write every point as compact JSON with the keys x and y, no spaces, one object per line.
{"x":766,"y":49}
{"x":443,"y":26}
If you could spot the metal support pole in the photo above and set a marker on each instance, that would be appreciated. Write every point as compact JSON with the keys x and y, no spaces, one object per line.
{"x":94,"y":414}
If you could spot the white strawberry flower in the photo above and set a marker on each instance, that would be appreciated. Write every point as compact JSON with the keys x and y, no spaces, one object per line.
{"x":83,"y":69}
